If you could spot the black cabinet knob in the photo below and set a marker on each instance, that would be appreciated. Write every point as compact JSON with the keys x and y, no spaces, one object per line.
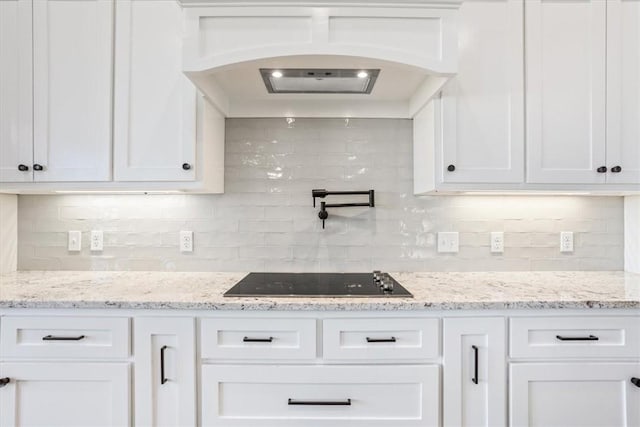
{"x":38,"y":167}
{"x":23,"y":168}
{"x":602,"y":169}
{"x":186,"y":166}
{"x":616,"y":169}
{"x":635,"y":381}
{"x":4,"y":381}
{"x":451,"y":168}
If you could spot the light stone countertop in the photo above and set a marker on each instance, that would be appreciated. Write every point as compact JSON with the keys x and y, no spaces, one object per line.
{"x":432,"y":291}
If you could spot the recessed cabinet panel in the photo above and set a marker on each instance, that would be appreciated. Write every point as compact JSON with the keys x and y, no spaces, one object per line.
{"x":72,"y":89}
{"x":574,"y":394}
{"x":334,"y":396}
{"x":623,"y":92}
{"x":16,"y":120}
{"x":565,"y":64}
{"x":483,"y":105}
{"x":65,"y":394}
{"x":155,"y":104}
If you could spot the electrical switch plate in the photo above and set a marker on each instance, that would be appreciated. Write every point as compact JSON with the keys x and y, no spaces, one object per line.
{"x":448,"y":242}
{"x":97,"y":240}
{"x":497,"y":242}
{"x":75,"y":241}
{"x":566,"y":241}
{"x":186,"y":241}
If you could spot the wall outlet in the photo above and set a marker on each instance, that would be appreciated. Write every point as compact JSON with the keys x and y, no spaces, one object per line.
{"x":74,"y":243}
{"x":97,"y":240}
{"x":448,"y":242}
{"x":566,"y":241}
{"x":497,"y":242}
{"x":186,"y":241}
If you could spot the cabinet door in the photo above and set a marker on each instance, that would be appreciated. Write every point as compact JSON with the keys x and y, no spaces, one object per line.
{"x":72,"y":63}
{"x":474,"y":372}
{"x":565,"y":67}
{"x":165,"y":374}
{"x":574,"y":394}
{"x":65,"y":394}
{"x":155,"y":103}
{"x":623,"y":91}
{"x":16,"y":125}
{"x":483,"y":105}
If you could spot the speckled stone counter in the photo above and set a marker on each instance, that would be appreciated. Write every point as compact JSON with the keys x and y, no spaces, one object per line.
{"x":432,"y":291}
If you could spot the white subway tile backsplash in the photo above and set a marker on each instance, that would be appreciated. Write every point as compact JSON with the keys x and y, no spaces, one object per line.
{"x":266,"y":222}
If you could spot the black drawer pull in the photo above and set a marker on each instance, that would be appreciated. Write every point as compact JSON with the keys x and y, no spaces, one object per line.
{"x":346,"y":402}
{"x":475,"y":364}
{"x":616,"y":169}
{"x":589,"y":338}
{"x":635,"y":381}
{"x":54,"y":338}
{"x":7,"y":380}
{"x":247,"y":339}
{"x":163,"y":379}
{"x":392,"y":339}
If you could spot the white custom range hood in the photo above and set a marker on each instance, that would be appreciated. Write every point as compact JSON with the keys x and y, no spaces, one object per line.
{"x":319,"y":56}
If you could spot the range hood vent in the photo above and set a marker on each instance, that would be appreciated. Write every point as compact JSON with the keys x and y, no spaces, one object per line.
{"x":319,"y":80}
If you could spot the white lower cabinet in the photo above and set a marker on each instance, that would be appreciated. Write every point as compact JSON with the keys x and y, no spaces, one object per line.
{"x":335,"y":396}
{"x":165,"y":374}
{"x":574,"y":394}
{"x":474,"y":375}
{"x":65,"y":394}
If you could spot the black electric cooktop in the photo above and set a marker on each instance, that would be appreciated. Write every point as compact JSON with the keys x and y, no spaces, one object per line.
{"x":349,"y":285}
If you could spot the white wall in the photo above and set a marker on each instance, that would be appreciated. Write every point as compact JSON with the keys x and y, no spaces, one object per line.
{"x":632,"y":234}
{"x":265,"y":221}
{"x":8,"y":232}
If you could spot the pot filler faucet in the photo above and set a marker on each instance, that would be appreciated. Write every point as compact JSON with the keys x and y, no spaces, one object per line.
{"x":322,"y":193}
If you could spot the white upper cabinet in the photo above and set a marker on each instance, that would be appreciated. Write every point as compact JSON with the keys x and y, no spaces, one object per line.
{"x":566,"y":76}
{"x":16,"y":126}
{"x":623,"y":91}
{"x":483,"y":106}
{"x":72,"y":85}
{"x":155,"y":104}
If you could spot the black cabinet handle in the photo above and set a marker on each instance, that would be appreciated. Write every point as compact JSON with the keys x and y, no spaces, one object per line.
{"x":7,"y":380}
{"x":635,"y":381}
{"x":163,"y":379}
{"x":38,"y":167}
{"x":602,"y":169}
{"x":186,"y":166}
{"x":392,"y":339}
{"x":616,"y":169}
{"x":23,"y":168}
{"x":589,"y":338}
{"x":346,"y":402}
{"x":247,"y":339}
{"x":54,"y":338}
{"x":475,"y":364}
{"x":451,"y":168}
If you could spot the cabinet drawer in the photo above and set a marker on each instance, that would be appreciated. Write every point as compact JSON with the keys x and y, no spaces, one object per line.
{"x":320,"y":395}
{"x":388,"y":339}
{"x":258,"y":338}
{"x":548,"y":337}
{"x":68,"y":337}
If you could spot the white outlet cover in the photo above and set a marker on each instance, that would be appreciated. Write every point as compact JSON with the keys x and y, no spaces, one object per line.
{"x":566,"y":241}
{"x":186,"y":241}
{"x":497,"y":242}
{"x":448,"y":242}
{"x":74,"y":243}
{"x":97,"y":240}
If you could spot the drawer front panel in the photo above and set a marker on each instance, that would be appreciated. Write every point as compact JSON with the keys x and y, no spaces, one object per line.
{"x":65,"y":337}
{"x":549,"y":337}
{"x":258,"y":338}
{"x":381,"y":339}
{"x":320,"y":395}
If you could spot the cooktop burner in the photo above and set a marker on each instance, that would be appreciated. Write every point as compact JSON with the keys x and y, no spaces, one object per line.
{"x":348,"y":285}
